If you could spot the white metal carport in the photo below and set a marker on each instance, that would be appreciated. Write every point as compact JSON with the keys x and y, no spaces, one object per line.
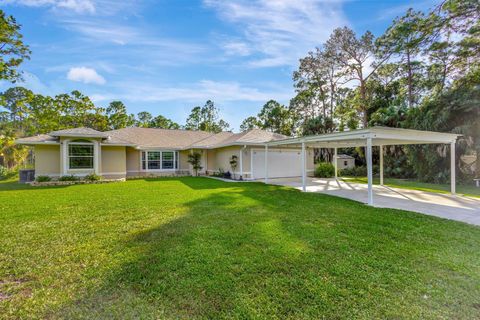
{"x":368,"y":138}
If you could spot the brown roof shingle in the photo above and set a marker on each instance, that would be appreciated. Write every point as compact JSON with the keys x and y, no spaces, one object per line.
{"x":161,"y":138}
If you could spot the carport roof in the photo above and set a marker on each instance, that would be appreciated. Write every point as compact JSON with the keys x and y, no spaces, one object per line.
{"x":379,"y":135}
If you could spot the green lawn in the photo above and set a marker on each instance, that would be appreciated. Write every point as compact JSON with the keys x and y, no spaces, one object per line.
{"x":202,"y":248}
{"x":468,"y":190}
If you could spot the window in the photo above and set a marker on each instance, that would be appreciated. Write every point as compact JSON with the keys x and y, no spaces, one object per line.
{"x":167,"y":160}
{"x":153,"y":160}
{"x":345,"y":163}
{"x":80,"y":155}
{"x":144,"y":161}
{"x":159,"y":160}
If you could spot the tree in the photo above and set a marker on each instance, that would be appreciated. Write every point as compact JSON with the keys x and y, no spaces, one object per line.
{"x":12,"y":49}
{"x":404,"y":39}
{"x":163,"y":123}
{"x":250,"y":123}
{"x":17,"y":101}
{"x":195,"y":160}
{"x":277,"y":118}
{"x":75,"y":109}
{"x":118,"y":117}
{"x":12,"y":153}
{"x":144,"y":119}
{"x":206,"y":119}
{"x":355,"y":56}
{"x":233,"y":164}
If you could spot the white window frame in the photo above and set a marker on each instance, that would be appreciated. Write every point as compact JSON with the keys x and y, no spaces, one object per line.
{"x":176,"y":162}
{"x":69,"y":156}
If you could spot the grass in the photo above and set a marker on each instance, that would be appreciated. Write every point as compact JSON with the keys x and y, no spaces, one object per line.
{"x":468,"y":190}
{"x":201,"y":248}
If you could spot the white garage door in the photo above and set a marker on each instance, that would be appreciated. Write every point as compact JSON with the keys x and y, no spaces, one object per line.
{"x":281,"y":164}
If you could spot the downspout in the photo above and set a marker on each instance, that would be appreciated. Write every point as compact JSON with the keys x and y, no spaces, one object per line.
{"x":241,"y":161}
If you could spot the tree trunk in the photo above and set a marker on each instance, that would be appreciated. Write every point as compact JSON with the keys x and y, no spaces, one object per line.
{"x":410,"y":80}
{"x":363,"y":106}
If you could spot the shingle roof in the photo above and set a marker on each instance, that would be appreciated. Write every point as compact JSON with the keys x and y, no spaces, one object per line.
{"x":344,"y":156}
{"x":161,"y":138}
{"x":43,"y":138}
{"x":253,"y":136}
{"x":158,"y":138}
{"x":79,"y":132}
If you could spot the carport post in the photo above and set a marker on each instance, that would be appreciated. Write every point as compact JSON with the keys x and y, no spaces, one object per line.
{"x":335,"y":164}
{"x":452,"y":167}
{"x":304,"y":171}
{"x":381,"y":165}
{"x":266,"y":163}
{"x":369,"y":171}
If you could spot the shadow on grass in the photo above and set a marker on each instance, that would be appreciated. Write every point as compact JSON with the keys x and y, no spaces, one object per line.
{"x":16,"y":186}
{"x":267,"y":251}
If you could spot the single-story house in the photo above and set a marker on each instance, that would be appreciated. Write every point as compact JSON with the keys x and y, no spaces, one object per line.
{"x":344,"y":161}
{"x":137,"y":151}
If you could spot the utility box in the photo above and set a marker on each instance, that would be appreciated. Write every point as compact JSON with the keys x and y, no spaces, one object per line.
{"x":26,"y":175}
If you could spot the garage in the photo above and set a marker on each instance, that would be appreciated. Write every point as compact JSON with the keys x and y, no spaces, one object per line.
{"x":282,"y":163}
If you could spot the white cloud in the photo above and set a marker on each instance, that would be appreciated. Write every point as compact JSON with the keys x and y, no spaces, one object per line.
{"x":280,"y":31}
{"x":236,"y":48}
{"x":198,"y":92}
{"x":85,"y":75}
{"x":78,"y":6}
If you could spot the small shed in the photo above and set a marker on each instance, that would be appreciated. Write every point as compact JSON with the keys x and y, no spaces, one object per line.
{"x":344,"y":161}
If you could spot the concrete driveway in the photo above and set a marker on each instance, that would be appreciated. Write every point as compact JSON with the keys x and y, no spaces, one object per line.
{"x":446,"y":206}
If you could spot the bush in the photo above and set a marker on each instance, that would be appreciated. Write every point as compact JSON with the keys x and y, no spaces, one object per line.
{"x":360,"y":171}
{"x":3,"y":172}
{"x":43,"y":179}
{"x":68,"y":178}
{"x":220,"y":173}
{"x":93,"y":177}
{"x":324,"y":170}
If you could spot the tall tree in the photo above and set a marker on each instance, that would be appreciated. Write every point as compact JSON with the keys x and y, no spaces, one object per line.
{"x":206,"y":118}
{"x":118,"y":117}
{"x":17,"y":101}
{"x":277,"y":118}
{"x":356,"y":57}
{"x":12,"y":49}
{"x":144,"y":119}
{"x":163,"y":123}
{"x":404,"y":39}
{"x":250,"y":123}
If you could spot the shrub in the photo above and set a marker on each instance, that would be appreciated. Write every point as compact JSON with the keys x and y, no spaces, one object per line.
{"x":68,"y":178}
{"x":360,"y":171}
{"x":43,"y":179}
{"x":324,"y":170}
{"x":3,"y":172}
{"x":93,"y":177}
{"x":220,"y":173}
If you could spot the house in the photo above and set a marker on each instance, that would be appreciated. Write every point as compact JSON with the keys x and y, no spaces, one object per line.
{"x":345,"y":161}
{"x":149,"y":151}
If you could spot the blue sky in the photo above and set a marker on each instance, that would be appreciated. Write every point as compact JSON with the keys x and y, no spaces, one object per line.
{"x":166,"y":57}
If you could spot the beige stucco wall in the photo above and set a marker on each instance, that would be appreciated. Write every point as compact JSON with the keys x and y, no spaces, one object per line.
{"x":113,"y":161}
{"x":132,"y":160}
{"x":211,"y":160}
{"x":183,"y":161}
{"x":47,"y":160}
{"x":223,"y":156}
